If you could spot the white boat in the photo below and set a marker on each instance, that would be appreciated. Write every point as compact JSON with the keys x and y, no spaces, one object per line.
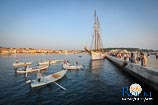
{"x":68,"y":66}
{"x":59,"y":60}
{"x":30,"y":70}
{"x":48,"y":79}
{"x":44,"y":63}
{"x":97,"y":55}
{"x":55,"y":61}
{"x":50,"y":62}
{"x":21,"y":64}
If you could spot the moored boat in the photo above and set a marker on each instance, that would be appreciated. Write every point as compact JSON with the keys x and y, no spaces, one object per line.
{"x":55,"y":61}
{"x":44,"y":63}
{"x":21,"y":64}
{"x":68,"y":66}
{"x":30,"y":70}
{"x":50,"y":62}
{"x":48,"y":79}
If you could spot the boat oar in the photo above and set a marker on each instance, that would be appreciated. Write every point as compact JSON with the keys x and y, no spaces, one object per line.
{"x":60,"y":86}
{"x":26,"y":74}
{"x":25,"y":70}
{"x":28,"y":81}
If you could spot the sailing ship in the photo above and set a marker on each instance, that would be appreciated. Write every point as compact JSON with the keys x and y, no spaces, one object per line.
{"x":96,"y":51}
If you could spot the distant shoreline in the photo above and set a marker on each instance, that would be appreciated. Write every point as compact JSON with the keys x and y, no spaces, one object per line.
{"x":36,"y":51}
{"x":4,"y":50}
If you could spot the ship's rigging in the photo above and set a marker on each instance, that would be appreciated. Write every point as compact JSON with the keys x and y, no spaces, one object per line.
{"x":96,"y":39}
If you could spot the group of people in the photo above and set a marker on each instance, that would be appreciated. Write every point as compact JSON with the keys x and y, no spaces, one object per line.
{"x":137,"y":58}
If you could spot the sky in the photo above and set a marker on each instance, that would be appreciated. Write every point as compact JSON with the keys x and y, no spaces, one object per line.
{"x":68,"y":24}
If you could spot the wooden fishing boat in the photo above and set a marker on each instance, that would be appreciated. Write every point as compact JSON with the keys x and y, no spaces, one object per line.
{"x":21,"y":64}
{"x":30,"y":70}
{"x":44,"y":63}
{"x":55,"y":61}
{"x":48,"y":79}
{"x":72,"y":67}
{"x":50,"y":62}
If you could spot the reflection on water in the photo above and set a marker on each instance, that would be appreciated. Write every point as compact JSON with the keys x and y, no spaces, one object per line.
{"x":96,"y":64}
{"x":95,"y":67}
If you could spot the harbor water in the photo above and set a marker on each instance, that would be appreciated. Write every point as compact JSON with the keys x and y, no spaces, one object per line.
{"x":99,"y":83}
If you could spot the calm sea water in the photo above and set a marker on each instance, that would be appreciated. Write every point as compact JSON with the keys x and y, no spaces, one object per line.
{"x":99,"y":83}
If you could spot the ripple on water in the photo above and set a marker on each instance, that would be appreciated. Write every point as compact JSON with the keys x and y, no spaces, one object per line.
{"x":99,"y":83}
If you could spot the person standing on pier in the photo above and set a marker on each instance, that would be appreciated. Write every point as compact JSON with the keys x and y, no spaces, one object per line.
{"x":132,"y":58}
{"x":126,"y":57}
{"x":156,"y":56}
{"x":143,"y":60}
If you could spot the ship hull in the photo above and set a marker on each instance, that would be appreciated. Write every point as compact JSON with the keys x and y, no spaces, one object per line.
{"x":97,"y":56}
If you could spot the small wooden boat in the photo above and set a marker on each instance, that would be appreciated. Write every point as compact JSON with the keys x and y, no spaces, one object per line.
{"x":59,"y":60}
{"x":44,"y":63}
{"x":48,"y":79}
{"x":55,"y":61}
{"x":50,"y":62}
{"x":30,"y":70}
{"x":21,"y":64}
{"x":72,"y":67}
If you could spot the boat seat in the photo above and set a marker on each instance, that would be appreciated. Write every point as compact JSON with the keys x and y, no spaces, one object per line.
{"x":56,"y":75}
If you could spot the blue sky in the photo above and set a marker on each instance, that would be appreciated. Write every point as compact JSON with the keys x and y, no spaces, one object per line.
{"x":68,"y":24}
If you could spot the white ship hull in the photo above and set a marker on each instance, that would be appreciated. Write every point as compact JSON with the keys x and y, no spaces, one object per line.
{"x":97,"y":55}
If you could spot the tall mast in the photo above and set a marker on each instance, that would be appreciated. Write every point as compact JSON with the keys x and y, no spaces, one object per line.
{"x":96,"y":42}
{"x":95,"y":30}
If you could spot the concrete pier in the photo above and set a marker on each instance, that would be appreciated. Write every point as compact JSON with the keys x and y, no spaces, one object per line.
{"x":147,"y":75}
